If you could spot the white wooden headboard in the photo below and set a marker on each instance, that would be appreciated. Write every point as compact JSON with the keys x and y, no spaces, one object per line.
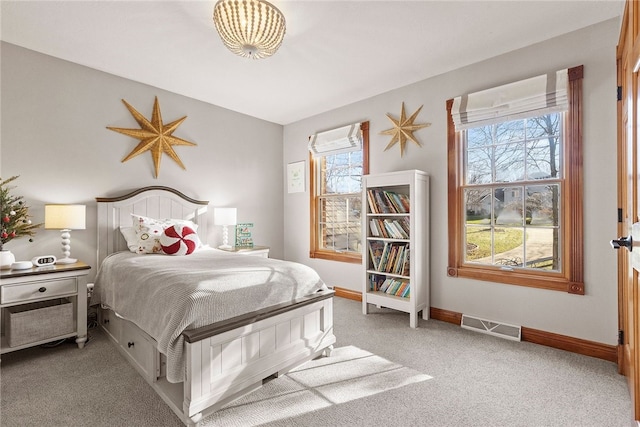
{"x":155,"y":202}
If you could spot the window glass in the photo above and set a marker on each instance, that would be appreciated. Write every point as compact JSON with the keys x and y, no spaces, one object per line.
{"x":336,"y":203}
{"x":513,"y":225}
{"x":340,"y":202}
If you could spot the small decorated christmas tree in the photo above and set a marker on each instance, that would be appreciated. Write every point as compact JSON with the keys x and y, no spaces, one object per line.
{"x":15,"y":220}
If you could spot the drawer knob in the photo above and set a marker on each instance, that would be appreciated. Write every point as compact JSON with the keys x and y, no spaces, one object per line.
{"x":130,"y":344}
{"x":42,"y":289}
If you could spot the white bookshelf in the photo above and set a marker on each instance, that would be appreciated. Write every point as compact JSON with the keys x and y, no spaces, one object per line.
{"x":401,"y":228}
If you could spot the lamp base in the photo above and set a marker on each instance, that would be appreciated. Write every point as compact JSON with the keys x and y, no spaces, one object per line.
{"x":66,"y":261}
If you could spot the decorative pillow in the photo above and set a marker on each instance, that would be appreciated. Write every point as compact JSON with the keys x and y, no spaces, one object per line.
{"x":131,"y":237}
{"x":139,"y":222}
{"x":149,"y":230}
{"x":179,"y":240}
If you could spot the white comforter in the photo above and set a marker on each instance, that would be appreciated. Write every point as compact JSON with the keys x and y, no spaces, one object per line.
{"x":165,"y":295}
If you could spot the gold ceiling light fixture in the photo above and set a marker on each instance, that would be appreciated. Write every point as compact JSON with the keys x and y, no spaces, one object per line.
{"x":249,"y":28}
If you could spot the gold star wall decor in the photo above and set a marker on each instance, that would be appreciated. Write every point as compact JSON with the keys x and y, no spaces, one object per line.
{"x":403,"y":129}
{"x":155,"y":136}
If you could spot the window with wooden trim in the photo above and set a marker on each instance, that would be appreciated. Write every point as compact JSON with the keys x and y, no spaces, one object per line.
{"x":336,"y":193}
{"x":515,"y":183}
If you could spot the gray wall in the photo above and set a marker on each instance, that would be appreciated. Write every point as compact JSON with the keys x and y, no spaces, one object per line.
{"x":592,"y":316}
{"x":54,"y":118}
{"x":53,"y":133}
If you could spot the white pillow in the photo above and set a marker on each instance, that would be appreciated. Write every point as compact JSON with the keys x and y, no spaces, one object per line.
{"x":141,"y":221}
{"x":131,"y":237}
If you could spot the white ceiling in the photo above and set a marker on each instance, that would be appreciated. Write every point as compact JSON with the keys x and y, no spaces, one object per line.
{"x":334,"y":52}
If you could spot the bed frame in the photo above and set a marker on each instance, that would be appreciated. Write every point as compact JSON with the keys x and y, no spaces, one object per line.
{"x":225,"y":360}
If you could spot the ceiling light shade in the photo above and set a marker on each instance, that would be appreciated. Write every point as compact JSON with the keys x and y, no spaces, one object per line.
{"x":249,"y":28}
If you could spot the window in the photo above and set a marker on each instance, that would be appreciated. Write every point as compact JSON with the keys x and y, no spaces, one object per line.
{"x":336,"y":199}
{"x":515,"y":188}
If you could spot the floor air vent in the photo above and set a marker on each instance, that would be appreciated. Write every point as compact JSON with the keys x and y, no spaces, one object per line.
{"x":497,"y":329}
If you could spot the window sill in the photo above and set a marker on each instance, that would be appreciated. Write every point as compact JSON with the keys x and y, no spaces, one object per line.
{"x":554,"y":282}
{"x":352,"y":258}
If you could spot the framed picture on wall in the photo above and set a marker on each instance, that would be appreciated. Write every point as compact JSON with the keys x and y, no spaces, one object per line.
{"x":295,"y":177}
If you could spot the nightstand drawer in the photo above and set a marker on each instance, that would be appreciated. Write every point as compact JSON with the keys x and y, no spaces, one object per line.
{"x":38,"y":290}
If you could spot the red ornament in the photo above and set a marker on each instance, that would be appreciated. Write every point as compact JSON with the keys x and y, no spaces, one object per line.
{"x":12,"y":234}
{"x":4,"y":235}
{"x":6,"y":219}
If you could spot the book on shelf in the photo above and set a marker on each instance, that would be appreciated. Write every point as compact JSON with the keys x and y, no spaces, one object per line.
{"x":406,"y":266}
{"x":374,"y":228}
{"x":390,"y":285}
{"x":376,"y":248}
{"x":395,"y":200}
{"x":391,"y":231}
{"x":376,"y":282}
{"x":407,"y":292}
{"x":385,"y":284}
{"x":404,"y":226}
{"x":389,"y":228}
{"x":372,"y":202}
{"x":403,"y":286}
{"x":393,"y":289}
{"x":389,"y":257}
{"x":383,"y":201}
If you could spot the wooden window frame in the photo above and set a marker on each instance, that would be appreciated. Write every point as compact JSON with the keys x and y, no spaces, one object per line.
{"x":571,"y":278}
{"x":314,"y":238}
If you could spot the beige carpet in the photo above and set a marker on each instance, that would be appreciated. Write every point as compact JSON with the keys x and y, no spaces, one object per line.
{"x":382,"y":373}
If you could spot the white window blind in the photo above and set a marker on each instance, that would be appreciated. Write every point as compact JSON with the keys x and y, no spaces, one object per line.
{"x":535,"y":96}
{"x":336,"y":141}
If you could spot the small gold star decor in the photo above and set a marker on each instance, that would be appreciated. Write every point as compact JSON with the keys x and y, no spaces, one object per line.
{"x":155,"y":136}
{"x":403,"y":129}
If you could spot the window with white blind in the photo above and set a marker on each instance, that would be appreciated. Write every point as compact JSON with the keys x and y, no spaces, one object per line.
{"x":338,"y":159}
{"x":515,"y":183}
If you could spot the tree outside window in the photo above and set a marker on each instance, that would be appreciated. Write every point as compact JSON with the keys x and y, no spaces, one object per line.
{"x":517,"y":224}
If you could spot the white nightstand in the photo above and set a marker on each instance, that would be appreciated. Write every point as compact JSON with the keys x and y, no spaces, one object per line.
{"x":262,"y":251}
{"x":43,"y":304}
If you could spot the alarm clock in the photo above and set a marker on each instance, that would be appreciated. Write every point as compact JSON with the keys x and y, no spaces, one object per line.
{"x":43,"y":260}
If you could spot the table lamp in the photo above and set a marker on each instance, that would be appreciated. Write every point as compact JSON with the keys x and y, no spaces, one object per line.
{"x":224,"y":217}
{"x":65,"y":218}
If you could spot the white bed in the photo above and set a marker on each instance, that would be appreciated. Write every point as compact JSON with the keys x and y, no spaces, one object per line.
{"x":220,"y":361}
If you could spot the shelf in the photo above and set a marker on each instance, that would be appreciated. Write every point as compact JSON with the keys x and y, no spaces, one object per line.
{"x":4,"y":343}
{"x":401,"y":254}
{"x":389,"y":239}
{"x":389,"y":301}
{"x":382,"y":273}
{"x":380,"y":294}
{"x":388,"y":214}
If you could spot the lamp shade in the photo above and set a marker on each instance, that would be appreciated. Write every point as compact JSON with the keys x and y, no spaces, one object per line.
{"x":224,"y":216}
{"x":65,"y":217}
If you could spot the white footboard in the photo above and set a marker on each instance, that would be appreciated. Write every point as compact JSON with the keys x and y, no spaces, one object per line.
{"x":223,"y":367}
{"x":230,"y":359}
